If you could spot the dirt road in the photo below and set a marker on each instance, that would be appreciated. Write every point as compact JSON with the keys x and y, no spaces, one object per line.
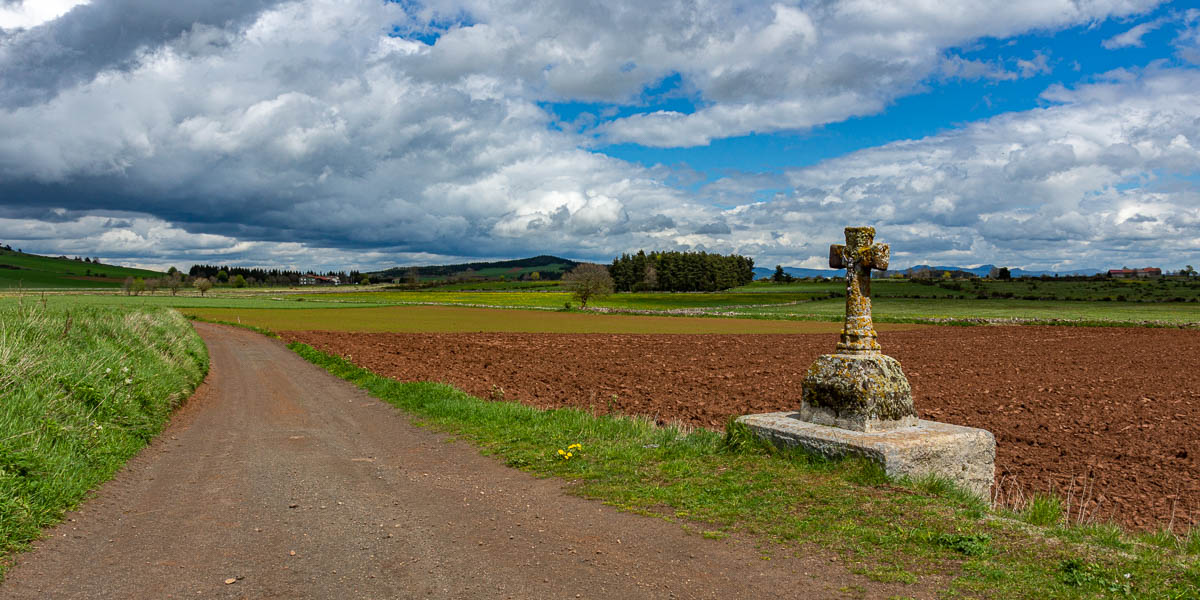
{"x":292,"y":484}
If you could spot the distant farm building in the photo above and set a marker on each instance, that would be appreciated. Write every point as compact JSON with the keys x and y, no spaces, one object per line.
{"x":1147,"y":273}
{"x":319,"y":280}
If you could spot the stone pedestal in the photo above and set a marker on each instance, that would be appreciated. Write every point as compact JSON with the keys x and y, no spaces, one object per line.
{"x":862,"y":392}
{"x":964,"y":455}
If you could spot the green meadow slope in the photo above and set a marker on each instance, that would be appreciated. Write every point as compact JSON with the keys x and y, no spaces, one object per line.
{"x":31,"y":271}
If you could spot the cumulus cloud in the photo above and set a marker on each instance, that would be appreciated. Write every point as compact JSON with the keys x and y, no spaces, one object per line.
{"x":1094,"y":173}
{"x":104,"y":35}
{"x":376,"y":129}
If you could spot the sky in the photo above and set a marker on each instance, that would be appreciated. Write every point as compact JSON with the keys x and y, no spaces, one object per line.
{"x":366,"y":134}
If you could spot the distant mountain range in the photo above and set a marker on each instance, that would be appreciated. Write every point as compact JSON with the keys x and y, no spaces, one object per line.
{"x":980,"y":271}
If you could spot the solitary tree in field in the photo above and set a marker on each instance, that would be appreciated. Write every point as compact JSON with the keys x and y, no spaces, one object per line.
{"x":139,"y":286}
{"x":588,"y":281}
{"x":127,"y":286}
{"x":239,"y":281}
{"x":174,"y":281}
{"x":203,"y":284}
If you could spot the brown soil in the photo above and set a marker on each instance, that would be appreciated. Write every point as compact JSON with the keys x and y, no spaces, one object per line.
{"x":1103,"y":414}
{"x":278,"y":480}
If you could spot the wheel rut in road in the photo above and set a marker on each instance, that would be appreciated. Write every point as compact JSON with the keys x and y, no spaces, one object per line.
{"x":291,"y":483}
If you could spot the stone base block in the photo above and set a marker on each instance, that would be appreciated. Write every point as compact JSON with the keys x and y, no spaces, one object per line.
{"x":863,"y":392}
{"x":964,"y":455}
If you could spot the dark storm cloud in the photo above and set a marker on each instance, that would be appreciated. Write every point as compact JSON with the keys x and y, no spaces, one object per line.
{"x":106,"y":34}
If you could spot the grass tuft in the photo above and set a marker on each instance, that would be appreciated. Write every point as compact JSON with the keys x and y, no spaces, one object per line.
{"x":1043,"y":509}
{"x":1191,"y":542}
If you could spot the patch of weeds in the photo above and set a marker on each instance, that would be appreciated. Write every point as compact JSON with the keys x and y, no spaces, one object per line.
{"x":1043,"y":509}
{"x":714,"y":534}
{"x":1089,"y":575}
{"x":890,"y":574}
{"x":739,"y":438}
{"x":974,"y":544}
{"x":1105,"y":534}
{"x":1163,"y":538}
{"x":1191,"y":543}
{"x":942,"y":487}
{"x":865,"y":472}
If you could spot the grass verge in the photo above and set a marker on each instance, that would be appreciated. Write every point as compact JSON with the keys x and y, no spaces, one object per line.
{"x":81,"y":391}
{"x":890,"y":531}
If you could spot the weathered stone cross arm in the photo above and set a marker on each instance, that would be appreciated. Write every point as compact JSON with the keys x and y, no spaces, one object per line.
{"x":875,"y":256}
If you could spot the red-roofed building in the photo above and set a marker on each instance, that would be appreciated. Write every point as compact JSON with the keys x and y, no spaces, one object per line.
{"x":1147,"y":273}
{"x":319,"y":280}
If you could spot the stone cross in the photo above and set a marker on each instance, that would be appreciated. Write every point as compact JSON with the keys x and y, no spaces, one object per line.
{"x":858,"y":257}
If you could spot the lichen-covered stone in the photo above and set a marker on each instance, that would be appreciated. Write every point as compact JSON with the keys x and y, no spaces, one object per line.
{"x":858,"y":256}
{"x":861,"y":392}
{"x":963,"y":455}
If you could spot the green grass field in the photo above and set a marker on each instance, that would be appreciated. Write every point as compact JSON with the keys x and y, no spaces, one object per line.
{"x":82,"y":389}
{"x":888,"y":531}
{"x":457,"y":319}
{"x":1155,"y":302}
{"x":29,"y":271}
{"x":556,"y":299}
{"x":890,"y":309}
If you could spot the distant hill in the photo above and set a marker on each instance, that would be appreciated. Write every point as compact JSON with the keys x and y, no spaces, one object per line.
{"x":760,"y":272}
{"x":980,"y":271}
{"x":32,"y":271}
{"x":547,"y":267}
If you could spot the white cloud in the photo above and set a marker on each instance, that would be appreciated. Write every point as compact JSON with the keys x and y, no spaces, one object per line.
{"x":23,"y":14}
{"x":1132,"y":37}
{"x":1088,"y":182}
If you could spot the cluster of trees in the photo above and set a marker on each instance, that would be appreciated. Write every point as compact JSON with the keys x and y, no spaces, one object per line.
{"x":174,"y":280}
{"x":680,"y":271}
{"x":245,"y":276}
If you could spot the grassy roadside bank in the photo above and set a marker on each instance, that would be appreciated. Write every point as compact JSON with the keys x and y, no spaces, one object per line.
{"x":81,"y":390}
{"x":903,"y":532}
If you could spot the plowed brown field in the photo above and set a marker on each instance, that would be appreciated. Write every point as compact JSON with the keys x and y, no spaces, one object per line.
{"x":1109,"y":415}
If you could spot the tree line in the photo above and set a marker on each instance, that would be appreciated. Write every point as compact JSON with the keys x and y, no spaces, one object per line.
{"x":257,"y":276}
{"x":675,"y":271}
